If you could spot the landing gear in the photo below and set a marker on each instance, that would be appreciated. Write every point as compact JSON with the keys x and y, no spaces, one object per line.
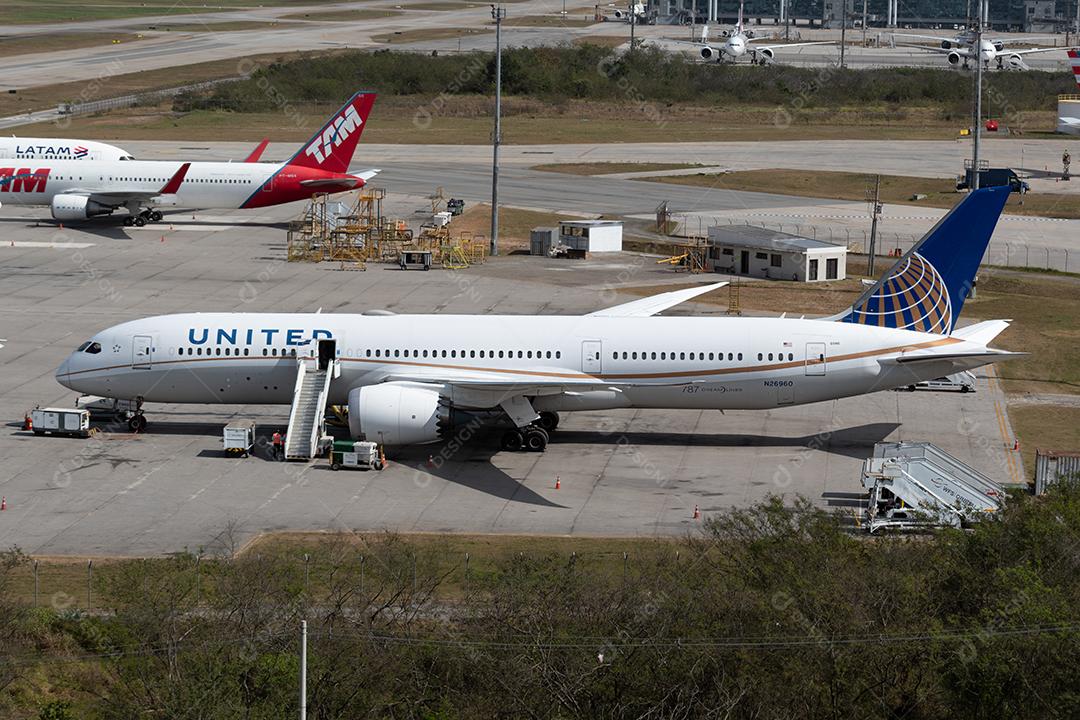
{"x":532,"y":438}
{"x":536,"y":439}
{"x":137,"y":422}
{"x":512,"y":440}
{"x":139,"y":219}
{"x":548,"y":420}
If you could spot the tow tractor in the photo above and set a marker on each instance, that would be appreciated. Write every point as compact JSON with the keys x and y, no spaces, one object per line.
{"x":356,"y":454}
{"x":113,"y":410}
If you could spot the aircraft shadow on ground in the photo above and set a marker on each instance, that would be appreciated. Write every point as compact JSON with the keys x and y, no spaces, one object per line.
{"x":470,"y":466}
{"x":856,"y":442}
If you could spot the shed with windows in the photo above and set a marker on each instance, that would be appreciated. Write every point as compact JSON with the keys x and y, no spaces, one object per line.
{"x":591,"y":236}
{"x":760,"y":252}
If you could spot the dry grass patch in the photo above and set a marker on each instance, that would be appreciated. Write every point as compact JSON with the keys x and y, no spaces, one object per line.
{"x":351,"y":15}
{"x":446,"y":33}
{"x":21,"y":45}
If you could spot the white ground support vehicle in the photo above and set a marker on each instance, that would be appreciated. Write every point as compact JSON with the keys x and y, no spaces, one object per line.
{"x":61,"y":421}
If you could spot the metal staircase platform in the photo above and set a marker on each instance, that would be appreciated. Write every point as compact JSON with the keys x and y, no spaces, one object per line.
{"x":914,"y":485}
{"x":308,"y":409}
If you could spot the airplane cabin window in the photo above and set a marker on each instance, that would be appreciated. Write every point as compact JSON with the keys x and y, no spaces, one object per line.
{"x":500,"y":353}
{"x":558,"y":353}
{"x":682,"y":356}
{"x":654,"y":356}
{"x":740,"y":356}
{"x":472,"y":353}
{"x":760,"y":356}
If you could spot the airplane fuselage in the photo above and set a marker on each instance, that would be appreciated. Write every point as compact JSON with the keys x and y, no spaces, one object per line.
{"x":652,"y":362}
{"x":206,"y":184}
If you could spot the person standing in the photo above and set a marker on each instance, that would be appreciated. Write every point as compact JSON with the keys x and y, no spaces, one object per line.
{"x":278,"y":445}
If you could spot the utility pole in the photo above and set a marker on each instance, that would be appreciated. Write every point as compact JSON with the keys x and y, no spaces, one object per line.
{"x":864,"y":23}
{"x":633,"y":23}
{"x":977,"y":130}
{"x":497,"y":14}
{"x":303,"y":670}
{"x":875,"y":211}
{"x":787,"y":21}
{"x":843,"y":31}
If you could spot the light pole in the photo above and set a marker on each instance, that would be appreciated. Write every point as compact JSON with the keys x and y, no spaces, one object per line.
{"x":497,"y":13}
{"x":977,"y":130}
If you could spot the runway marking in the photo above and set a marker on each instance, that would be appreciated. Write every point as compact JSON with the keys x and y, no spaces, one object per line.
{"x":46,"y":244}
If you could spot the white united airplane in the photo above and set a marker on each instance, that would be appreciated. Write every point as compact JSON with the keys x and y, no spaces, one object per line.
{"x":81,"y":189}
{"x":738,"y":43}
{"x":412,"y":379}
{"x":27,"y":148}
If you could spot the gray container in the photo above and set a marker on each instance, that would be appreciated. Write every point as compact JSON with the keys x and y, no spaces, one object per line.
{"x":542,"y":239}
{"x":1051,"y":466}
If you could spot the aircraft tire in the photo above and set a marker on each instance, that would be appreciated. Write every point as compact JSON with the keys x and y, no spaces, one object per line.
{"x":155,"y":216}
{"x":536,"y":439}
{"x":548,"y":420}
{"x":512,"y":440}
{"x":139,"y":221}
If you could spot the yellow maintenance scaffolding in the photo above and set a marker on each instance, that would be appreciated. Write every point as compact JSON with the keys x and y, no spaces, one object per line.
{"x":689,"y":257}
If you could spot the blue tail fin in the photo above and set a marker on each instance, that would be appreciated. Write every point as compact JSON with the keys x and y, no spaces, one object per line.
{"x":925,"y":290}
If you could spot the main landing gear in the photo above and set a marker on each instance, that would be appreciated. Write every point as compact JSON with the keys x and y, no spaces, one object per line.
{"x":142,"y":218}
{"x":533,"y":437}
{"x":137,"y":422}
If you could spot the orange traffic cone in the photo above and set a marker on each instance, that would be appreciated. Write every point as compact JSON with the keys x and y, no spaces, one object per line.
{"x":3,"y":503}
{"x":558,"y":483}
{"x":697,"y":513}
{"x":162,"y":238}
{"x":430,"y":461}
{"x":1016,"y":445}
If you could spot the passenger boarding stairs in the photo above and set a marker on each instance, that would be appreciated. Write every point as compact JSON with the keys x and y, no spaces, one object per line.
{"x":308,"y":408}
{"x":916,"y":484}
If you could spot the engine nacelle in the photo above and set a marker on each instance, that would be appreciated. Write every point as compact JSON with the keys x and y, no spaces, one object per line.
{"x":765,"y":56}
{"x":954,"y":58}
{"x":707,"y":53}
{"x":946,"y":45}
{"x":397,"y":413}
{"x":1016,"y":62}
{"x":76,"y":207}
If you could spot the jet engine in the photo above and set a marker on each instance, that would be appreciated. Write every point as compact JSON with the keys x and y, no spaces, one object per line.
{"x":76,"y":207}
{"x":398,"y":413}
{"x":764,"y":56}
{"x":946,"y":45}
{"x":954,"y":58}
{"x":1016,"y":62}
{"x":707,"y":53}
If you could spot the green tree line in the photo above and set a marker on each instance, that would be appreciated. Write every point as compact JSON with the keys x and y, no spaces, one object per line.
{"x":589,"y":72}
{"x":772,"y":611}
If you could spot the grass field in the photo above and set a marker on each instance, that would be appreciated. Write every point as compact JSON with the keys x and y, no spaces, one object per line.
{"x":514,"y":224}
{"x":47,"y":96}
{"x":344,"y":15}
{"x":467,"y":120}
{"x":17,"y":45}
{"x":62,"y":583}
{"x":609,"y":168}
{"x":224,"y":26}
{"x":444,"y":33}
{"x":940,"y":193}
{"x":54,"y":11}
{"x":1044,"y":427}
{"x":570,"y":21}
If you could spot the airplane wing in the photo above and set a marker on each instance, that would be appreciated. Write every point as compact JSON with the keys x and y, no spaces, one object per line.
{"x":1031,"y":51}
{"x":784,"y":46}
{"x":951,"y":41}
{"x":258,"y":151}
{"x":115,"y":198}
{"x":654,"y":304}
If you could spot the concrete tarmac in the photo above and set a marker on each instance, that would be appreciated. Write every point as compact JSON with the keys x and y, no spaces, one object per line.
{"x":626,"y":473}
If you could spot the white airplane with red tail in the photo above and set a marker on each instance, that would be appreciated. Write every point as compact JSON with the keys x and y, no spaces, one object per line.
{"x":81,"y":189}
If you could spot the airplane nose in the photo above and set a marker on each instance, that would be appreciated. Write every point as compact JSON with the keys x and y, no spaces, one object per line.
{"x":62,"y":372}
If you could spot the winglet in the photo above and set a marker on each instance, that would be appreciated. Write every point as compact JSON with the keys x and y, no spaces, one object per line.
{"x":258,"y":151}
{"x":173,"y":185}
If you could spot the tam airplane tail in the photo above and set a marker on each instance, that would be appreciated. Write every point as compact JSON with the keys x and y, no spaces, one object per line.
{"x":1074,"y":60}
{"x":926,"y":288}
{"x":331,"y":149}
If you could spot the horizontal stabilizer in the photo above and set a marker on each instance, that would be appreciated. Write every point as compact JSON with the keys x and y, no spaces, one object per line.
{"x":982,"y":333}
{"x":988,"y":355}
{"x":654,"y":304}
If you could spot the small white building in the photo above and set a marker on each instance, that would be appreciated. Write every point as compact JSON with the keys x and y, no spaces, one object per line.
{"x":760,"y":252}
{"x":591,"y":235}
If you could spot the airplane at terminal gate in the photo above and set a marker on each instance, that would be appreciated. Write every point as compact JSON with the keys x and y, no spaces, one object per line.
{"x":81,"y":189}
{"x":413,"y":379}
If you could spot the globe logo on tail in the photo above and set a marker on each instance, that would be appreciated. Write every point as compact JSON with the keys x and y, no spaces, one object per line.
{"x":913,"y":297}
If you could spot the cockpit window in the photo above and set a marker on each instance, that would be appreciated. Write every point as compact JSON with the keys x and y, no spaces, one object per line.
{"x":93,"y":348}
{"x":83,"y":346}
